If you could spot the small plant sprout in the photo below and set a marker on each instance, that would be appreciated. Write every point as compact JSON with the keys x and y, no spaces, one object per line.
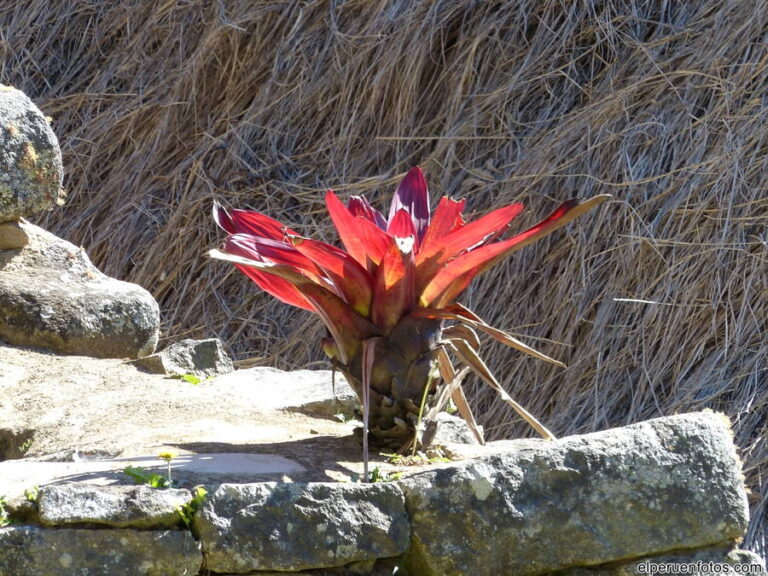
{"x":141,"y":476}
{"x":31,"y":494}
{"x":4,"y":517}
{"x":389,"y":299}
{"x":187,"y":511}
{"x":168,"y":457}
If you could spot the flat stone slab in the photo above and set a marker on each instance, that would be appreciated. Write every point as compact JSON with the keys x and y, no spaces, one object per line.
{"x":122,"y":412}
{"x":32,"y":551}
{"x":16,"y":476}
{"x":117,"y":506}
{"x":666,"y":484}
{"x":303,"y":526}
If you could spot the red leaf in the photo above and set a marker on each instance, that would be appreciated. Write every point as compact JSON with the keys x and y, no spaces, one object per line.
{"x":446,"y":219}
{"x":394,"y":292}
{"x":277,"y":287}
{"x":438,"y":256}
{"x":266,"y":250}
{"x":412,"y":196}
{"x":359,"y":206}
{"x":274,"y":285}
{"x":248,"y":222}
{"x":453,"y":278}
{"x":364,"y":241}
{"x":346,"y":326}
{"x":402,"y":225}
{"x":354,"y":281}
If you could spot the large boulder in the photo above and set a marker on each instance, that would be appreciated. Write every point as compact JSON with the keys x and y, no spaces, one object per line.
{"x":30,"y":158}
{"x":53,"y":297}
{"x":290,"y":527}
{"x":663,"y":485}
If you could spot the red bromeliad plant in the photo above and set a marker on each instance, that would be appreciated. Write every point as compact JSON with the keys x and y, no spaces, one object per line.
{"x":387,"y":297}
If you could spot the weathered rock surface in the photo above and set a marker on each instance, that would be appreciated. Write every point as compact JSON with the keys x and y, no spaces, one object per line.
{"x":118,"y":506}
{"x":201,"y":358}
{"x":447,"y":429}
{"x":700,"y":562}
{"x":221,"y":430}
{"x":296,"y":390}
{"x":291,"y":527}
{"x":662,"y":485}
{"x":32,"y":551}
{"x":30,"y":158}
{"x":53,"y":297}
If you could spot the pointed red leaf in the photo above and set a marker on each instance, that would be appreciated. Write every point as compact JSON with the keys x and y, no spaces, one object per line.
{"x":346,"y":326}
{"x":453,"y":278}
{"x":271,"y":284}
{"x":446,"y":219}
{"x":354,"y":281}
{"x":359,"y":206}
{"x":223,"y":219}
{"x":249,"y":222}
{"x":266,"y":250}
{"x":473,"y":233}
{"x":402,"y":226}
{"x":364,"y":241}
{"x":412,"y":196}
{"x":438,"y":256}
{"x":277,"y":287}
{"x":394,"y":292}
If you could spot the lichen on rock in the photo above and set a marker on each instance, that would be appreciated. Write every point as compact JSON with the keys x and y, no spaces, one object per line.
{"x":30,"y":158}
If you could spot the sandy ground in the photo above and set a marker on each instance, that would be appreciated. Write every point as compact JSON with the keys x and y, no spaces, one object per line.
{"x":66,"y":408}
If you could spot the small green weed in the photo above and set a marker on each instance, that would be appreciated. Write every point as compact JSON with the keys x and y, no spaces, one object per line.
{"x":187,"y":511}
{"x":31,"y":493}
{"x":377,"y":475}
{"x":191,"y":378}
{"x":24,"y":448}
{"x":141,"y":476}
{"x":431,"y":456}
{"x":5,"y":519}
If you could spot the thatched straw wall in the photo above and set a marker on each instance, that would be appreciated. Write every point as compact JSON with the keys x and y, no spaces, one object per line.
{"x":658,"y":302}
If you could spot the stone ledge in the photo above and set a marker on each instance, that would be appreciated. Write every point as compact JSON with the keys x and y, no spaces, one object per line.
{"x":593,"y":505}
{"x":117,"y":506}
{"x":666,"y":484}
{"x":33,"y":551}
{"x":292,"y":527}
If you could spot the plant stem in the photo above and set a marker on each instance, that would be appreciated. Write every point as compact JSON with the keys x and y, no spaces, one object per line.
{"x":421,"y":413}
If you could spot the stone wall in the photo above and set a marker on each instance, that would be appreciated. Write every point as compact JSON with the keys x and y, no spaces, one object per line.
{"x":621,"y":501}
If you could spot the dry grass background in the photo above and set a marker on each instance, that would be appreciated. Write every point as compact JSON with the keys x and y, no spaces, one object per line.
{"x":657,"y":302}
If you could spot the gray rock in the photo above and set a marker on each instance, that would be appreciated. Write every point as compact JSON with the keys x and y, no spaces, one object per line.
{"x":118,"y":506}
{"x":701,"y":562}
{"x":32,"y":551}
{"x":30,"y":158}
{"x":662,"y":485}
{"x":447,"y":429}
{"x":307,"y":391}
{"x":201,"y":358}
{"x":52,"y":297}
{"x":291,"y":527}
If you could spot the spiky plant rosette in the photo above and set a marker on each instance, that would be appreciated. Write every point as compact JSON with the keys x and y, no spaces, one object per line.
{"x":389,"y":299}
